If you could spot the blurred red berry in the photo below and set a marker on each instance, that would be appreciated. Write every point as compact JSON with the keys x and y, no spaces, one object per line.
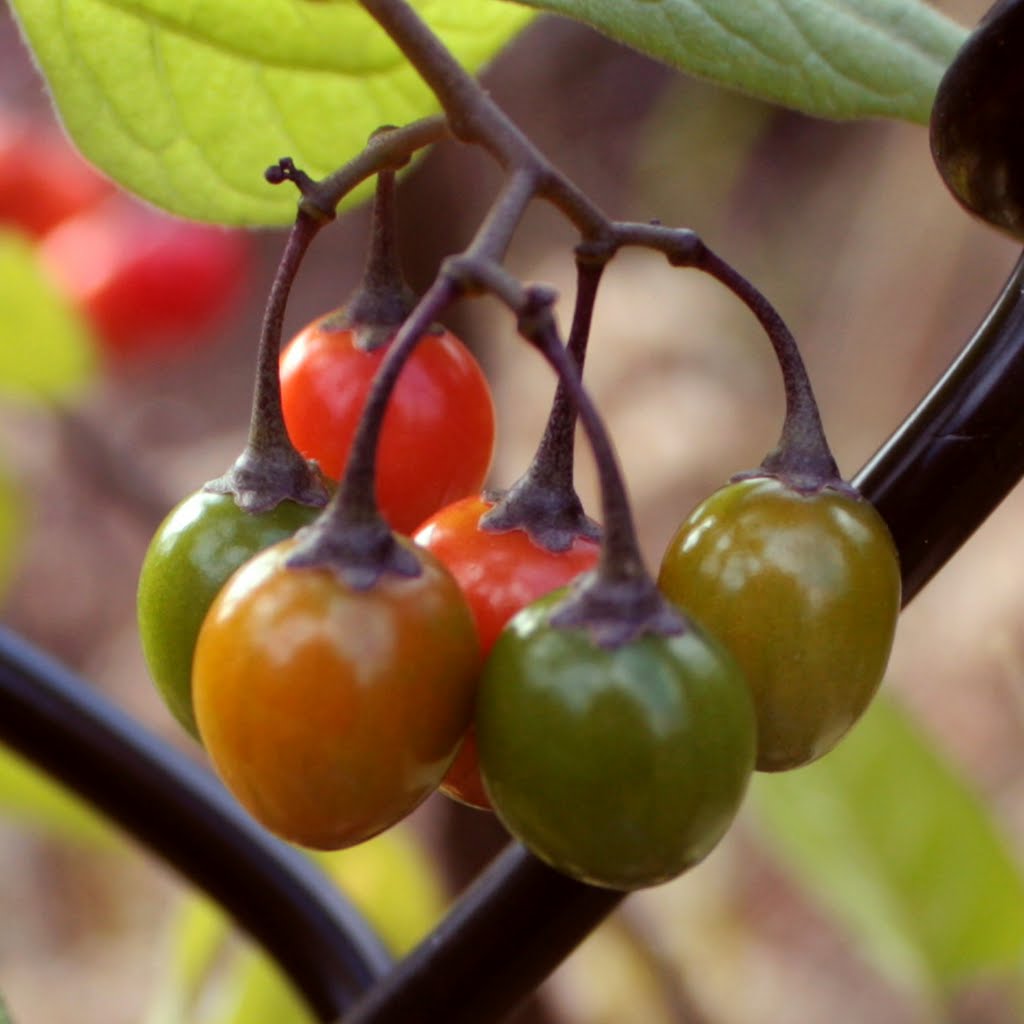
{"x":43,"y":179}
{"x":147,"y":281}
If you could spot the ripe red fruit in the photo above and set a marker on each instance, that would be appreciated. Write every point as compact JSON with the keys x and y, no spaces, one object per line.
{"x":438,"y":433}
{"x":500,"y":573}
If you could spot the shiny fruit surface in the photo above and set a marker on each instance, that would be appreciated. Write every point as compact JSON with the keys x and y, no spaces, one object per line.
{"x":620,"y":767}
{"x":500,"y":573}
{"x":331,"y":713}
{"x":977,"y":120}
{"x":438,"y":434}
{"x":203,"y":540}
{"x":804,"y":591}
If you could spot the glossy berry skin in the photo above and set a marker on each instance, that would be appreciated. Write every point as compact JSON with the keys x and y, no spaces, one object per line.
{"x":43,"y":180}
{"x":804,"y":590}
{"x":500,"y":573}
{"x":330,"y":713}
{"x":198,"y":546}
{"x":622,"y":767}
{"x":438,"y":434}
{"x":149,"y":283}
{"x":977,"y":120}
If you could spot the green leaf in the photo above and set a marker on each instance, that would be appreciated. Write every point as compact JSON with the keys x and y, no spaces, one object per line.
{"x":887,"y":834}
{"x":46,"y":351}
{"x":830,"y":58}
{"x":4,"y":1015}
{"x":188,"y":103}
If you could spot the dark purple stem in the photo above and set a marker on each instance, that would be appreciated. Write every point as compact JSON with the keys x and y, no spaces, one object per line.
{"x":802,"y":458}
{"x":383,"y":299}
{"x":352,"y":536}
{"x":474,"y":117}
{"x":619,"y":600}
{"x":270,"y":469}
{"x":555,"y":456}
{"x":356,"y":500}
{"x":620,"y":551}
{"x":544,"y":502}
{"x":389,"y":148}
{"x":267,"y":431}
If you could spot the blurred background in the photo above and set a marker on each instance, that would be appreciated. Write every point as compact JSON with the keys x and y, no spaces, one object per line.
{"x":847,"y":894}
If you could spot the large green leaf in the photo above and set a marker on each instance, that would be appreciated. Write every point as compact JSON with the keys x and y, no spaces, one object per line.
{"x":46,"y":353}
{"x":830,"y":58}
{"x":186,"y":103}
{"x":887,"y":834}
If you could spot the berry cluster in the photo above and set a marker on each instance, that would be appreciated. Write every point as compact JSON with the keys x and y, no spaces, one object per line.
{"x":348,"y":622}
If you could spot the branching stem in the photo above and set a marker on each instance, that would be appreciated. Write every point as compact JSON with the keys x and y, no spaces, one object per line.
{"x":475,"y":118}
{"x":802,"y":456}
{"x":389,"y":148}
{"x":619,"y":601}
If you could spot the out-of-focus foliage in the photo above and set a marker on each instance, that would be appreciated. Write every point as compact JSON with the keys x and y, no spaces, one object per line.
{"x":211,"y":979}
{"x":11,"y":521}
{"x":887,"y":834}
{"x":46,"y":354}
